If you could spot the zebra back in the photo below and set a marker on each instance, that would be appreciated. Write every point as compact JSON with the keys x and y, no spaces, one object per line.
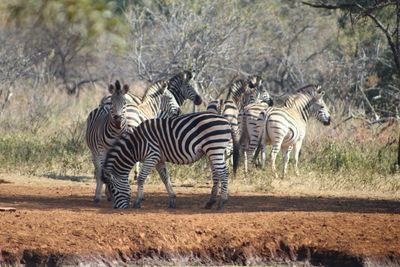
{"x":176,"y":137}
{"x":156,"y":89}
{"x":250,"y":121}
{"x":307,"y":101}
{"x":161,"y":106}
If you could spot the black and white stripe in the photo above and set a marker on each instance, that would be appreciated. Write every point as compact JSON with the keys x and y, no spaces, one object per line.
{"x":181,"y":140}
{"x":182,"y":86}
{"x":251,"y":119}
{"x":103,"y":125}
{"x":285,"y":128}
{"x":241,"y":93}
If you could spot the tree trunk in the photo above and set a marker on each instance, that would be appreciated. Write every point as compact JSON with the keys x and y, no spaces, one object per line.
{"x":397,"y":55}
{"x":398,"y":154}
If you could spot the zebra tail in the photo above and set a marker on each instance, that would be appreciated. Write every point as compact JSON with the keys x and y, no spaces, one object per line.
{"x":236,"y":153}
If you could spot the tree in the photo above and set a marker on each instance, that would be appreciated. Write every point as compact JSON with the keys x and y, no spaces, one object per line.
{"x":65,"y":40}
{"x":384,"y":16}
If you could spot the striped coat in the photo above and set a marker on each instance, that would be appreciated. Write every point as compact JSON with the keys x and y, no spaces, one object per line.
{"x":285,"y":128}
{"x":103,"y":125}
{"x":180,"y":140}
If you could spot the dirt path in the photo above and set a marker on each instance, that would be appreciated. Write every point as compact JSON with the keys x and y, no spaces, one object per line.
{"x":57,"y":223}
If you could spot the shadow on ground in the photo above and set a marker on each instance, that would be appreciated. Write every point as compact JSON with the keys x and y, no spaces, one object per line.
{"x":192,"y":203}
{"x":73,"y":178}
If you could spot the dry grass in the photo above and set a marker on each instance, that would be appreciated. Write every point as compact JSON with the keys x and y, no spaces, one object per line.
{"x":46,"y":139}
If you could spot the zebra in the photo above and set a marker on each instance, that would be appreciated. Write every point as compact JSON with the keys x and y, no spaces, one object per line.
{"x":241,"y":93}
{"x":156,"y":104}
{"x":250,"y":130}
{"x":286,"y":127}
{"x":180,"y":140}
{"x":103,"y":125}
{"x":161,"y":106}
{"x":181,"y":86}
{"x":263,"y":95}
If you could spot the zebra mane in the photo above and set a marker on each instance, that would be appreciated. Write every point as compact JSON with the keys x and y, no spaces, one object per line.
{"x":308,"y":90}
{"x":254,"y":81}
{"x":175,"y":83}
{"x":237,"y":89}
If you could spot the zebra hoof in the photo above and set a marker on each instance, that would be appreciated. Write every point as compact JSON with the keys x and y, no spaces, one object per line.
{"x":96,"y":200}
{"x":137,"y":206}
{"x":210,"y":204}
{"x":221,"y":205}
{"x":172,"y":204}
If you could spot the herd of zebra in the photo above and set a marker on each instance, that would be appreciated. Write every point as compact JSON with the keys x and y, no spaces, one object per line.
{"x":125,"y":129}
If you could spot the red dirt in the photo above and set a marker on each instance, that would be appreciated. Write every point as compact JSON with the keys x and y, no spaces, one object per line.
{"x":60,"y":224}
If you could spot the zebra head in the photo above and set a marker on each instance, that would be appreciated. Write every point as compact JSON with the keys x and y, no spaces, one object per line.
{"x":183,"y":87}
{"x":119,"y":189}
{"x":118,"y":104}
{"x":249,"y":96}
{"x":256,"y":82}
{"x":319,"y":109}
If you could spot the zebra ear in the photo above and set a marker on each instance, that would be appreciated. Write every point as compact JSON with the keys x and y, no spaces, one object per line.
{"x":320,"y":94}
{"x":187,"y":75}
{"x":318,"y":88}
{"x":111,"y":89}
{"x":163,"y":86}
{"x":125,"y":89}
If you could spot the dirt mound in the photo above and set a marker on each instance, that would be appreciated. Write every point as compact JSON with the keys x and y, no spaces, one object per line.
{"x":60,"y":224}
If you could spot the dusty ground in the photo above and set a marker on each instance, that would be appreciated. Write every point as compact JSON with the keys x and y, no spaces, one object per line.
{"x":57,"y":223}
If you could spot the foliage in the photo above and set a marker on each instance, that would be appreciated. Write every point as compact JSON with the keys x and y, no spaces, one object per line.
{"x":90,"y":43}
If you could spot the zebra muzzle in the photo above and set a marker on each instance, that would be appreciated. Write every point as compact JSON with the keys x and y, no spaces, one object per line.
{"x":328,"y":122}
{"x":197,"y":100}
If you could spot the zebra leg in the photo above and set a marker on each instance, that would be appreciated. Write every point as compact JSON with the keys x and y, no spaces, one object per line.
{"x":245,"y":161}
{"x":285,"y":159}
{"x":99,"y":182}
{"x":296,"y":152}
{"x":137,"y":169}
{"x":274,"y":153}
{"x":223,"y":178}
{"x":162,"y":171}
{"x":263,"y":156}
{"x":108,"y":193}
{"x":219,"y":172}
{"x":214,"y":190}
{"x":144,"y":172}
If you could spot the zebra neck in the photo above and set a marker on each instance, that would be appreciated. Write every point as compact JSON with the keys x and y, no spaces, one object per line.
{"x":150,"y":110}
{"x":113,"y":129}
{"x":179,"y":97}
{"x":235,"y":93}
{"x":304,"y":109}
